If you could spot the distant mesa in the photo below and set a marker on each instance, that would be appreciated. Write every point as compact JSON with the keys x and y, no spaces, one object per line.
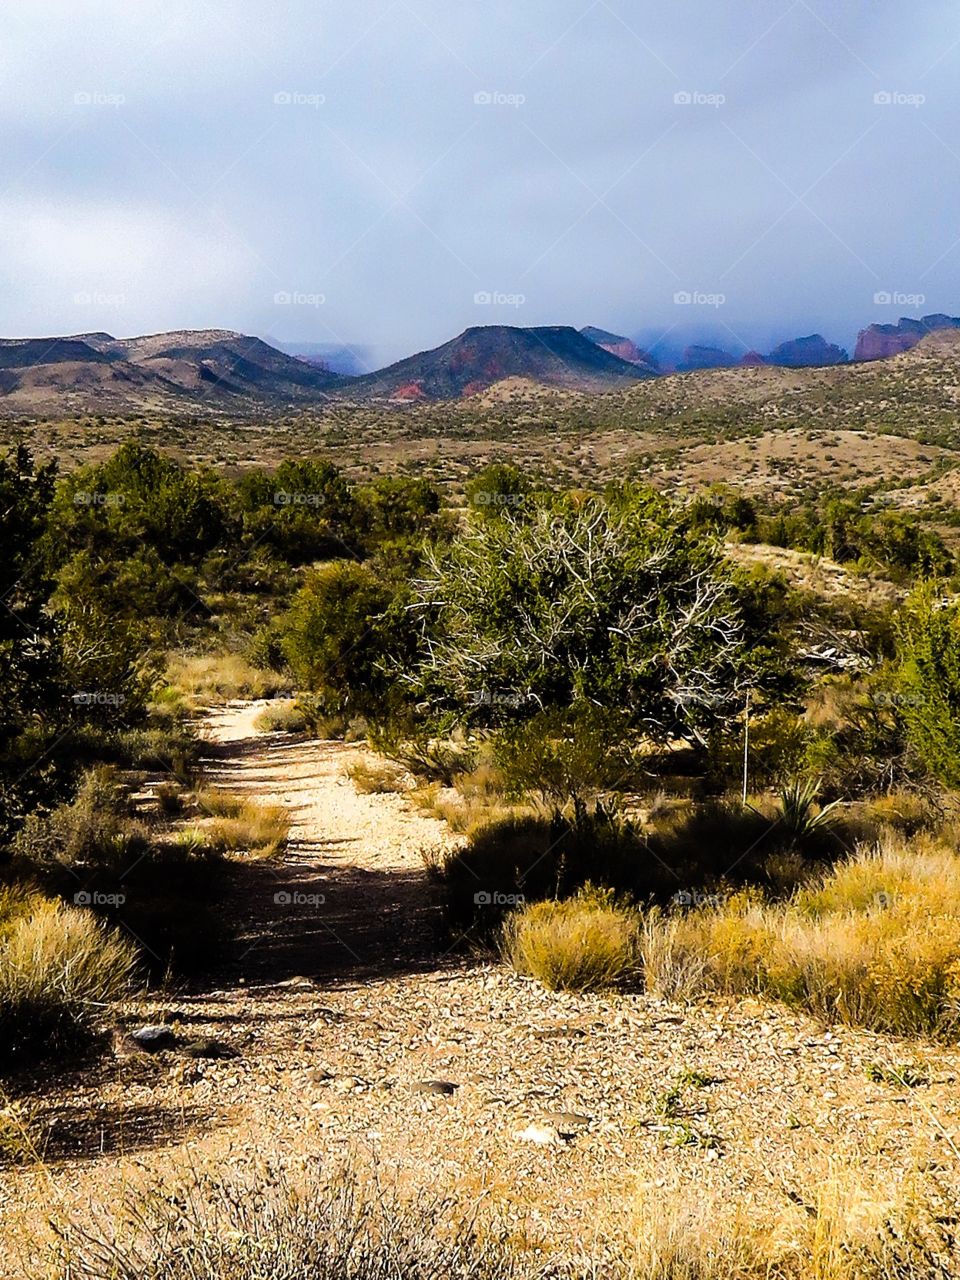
{"x":221,"y":371}
{"x":802,"y":353}
{"x":622,"y":348}
{"x":878,"y":341}
{"x":697,"y":357}
{"x":554,"y":356}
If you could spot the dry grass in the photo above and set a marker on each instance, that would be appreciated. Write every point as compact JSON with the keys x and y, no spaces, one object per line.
{"x":854,"y":1223}
{"x":273,"y":1226}
{"x":377,"y":777}
{"x":875,"y":942}
{"x":205,"y":679}
{"x":58,"y":968}
{"x":477,"y":800}
{"x":587,"y":943}
{"x":233,"y":824}
{"x":282,"y":717}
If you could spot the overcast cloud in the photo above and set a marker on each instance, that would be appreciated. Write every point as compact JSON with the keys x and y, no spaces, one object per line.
{"x":360,"y":171}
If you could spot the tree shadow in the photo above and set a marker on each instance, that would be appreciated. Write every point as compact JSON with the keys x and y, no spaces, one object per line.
{"x":75,"y":1131}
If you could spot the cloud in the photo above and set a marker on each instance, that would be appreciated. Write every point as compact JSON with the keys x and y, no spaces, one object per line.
{"x":398,"y":156}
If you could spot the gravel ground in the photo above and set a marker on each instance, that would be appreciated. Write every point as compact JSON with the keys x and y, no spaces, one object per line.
{"x":457,"y":1076}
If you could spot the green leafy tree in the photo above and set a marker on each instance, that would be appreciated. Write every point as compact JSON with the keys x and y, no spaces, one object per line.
{"x":928,"y":692}
{"x":611,"y":603}
{"x":335,"y":635}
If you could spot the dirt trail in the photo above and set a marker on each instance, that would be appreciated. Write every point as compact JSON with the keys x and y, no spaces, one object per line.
{"x":351,"y":896}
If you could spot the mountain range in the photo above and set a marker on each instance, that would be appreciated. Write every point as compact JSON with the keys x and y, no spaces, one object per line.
{"x":223,"y":371}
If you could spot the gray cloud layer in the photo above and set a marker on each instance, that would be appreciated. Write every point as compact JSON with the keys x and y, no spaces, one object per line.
{"x":184,"y":163}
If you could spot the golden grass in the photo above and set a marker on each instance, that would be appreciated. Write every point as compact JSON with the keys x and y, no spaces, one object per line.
{"x":854,"y":1223}
{"x":377,"y":777}
{"x":875,"y":942}
{"x":281,"y":717}
{"x":467,"y":811}
{"x":233,"y":824}
{"x":58,"y":967}
{"x":583,"y":944}
{"x":203,"y":679}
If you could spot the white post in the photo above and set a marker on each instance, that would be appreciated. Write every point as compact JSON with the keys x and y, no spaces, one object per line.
{"x":746,"y":745}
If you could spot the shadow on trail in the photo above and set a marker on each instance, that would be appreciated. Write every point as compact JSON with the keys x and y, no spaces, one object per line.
{"x":317,"y":912}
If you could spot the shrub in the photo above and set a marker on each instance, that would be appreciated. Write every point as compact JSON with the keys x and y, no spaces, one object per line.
{"x":430,"y":759}
{"x":537,"y":858}
{"x":875,"y":942}
{"x":929,"y":655}
{"x":561,"y":604}
{"x":335,"y":635}
{"x":281,"y":717}
{"x":272,"y":1226}
{"x":58,"y":967}
{"x":371,"y":777}
{"x":93,"y":831}
{"x":587,"y":943}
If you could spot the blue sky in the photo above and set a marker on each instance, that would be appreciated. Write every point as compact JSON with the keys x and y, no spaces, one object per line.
{"x":388,"y":172}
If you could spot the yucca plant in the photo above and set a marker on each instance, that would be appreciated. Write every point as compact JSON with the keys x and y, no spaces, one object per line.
{"x":800,"y":812}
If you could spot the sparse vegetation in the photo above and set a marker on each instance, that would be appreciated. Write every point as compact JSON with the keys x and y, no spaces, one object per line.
{"x":587,"y":943}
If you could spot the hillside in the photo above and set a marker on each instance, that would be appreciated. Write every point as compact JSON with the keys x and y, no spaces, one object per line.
{"x":165,"y":371}
{"x":556,"y":356}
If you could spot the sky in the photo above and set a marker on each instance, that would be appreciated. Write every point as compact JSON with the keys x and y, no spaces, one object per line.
{"x":387,"y":173}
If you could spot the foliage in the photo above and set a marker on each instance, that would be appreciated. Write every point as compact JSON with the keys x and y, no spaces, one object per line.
{"x":336,"y":633}
{"x":875,"y":942}
{"x":603,"y":602}
{"x":929,"y":681}
{"x":58,"y":967}
{"x":586,"y":943}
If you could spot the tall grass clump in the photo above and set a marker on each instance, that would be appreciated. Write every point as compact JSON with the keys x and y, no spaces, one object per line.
{"x":59,"y":967}
{"x":874,"y":942}
{"x":851,"y":1224}
{"x":232,"y":824}
{"x":587,"y":943}
{"x":202,"y":679}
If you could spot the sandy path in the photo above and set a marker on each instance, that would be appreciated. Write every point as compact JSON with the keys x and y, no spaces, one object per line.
{"x":351,"y":896}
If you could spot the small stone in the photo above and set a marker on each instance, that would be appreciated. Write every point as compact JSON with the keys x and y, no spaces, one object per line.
{"x":442,"y":1088}
{"x":209,"y":1048}
{"x":544,"y":1135}
{"x":566,"y":1120}
{"x":154,"y":1038}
